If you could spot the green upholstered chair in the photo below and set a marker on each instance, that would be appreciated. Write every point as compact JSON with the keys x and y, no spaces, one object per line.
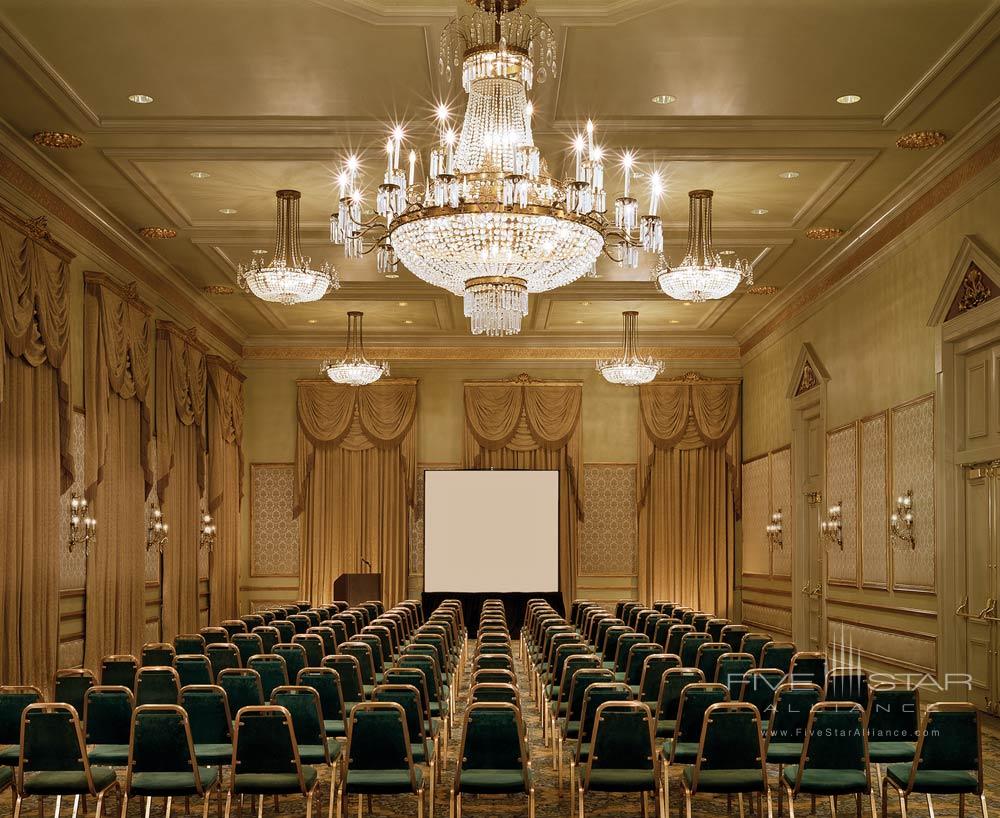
{"x":730,"y":669}
{"x":272,"y":671}
{"x":700,"y":622}
{"x":777,"y":655}
{"x":622,"y":649}
{"x":440,"y":694}
{"x":162,"y":761}
{"x":312,"y":644}
{"x":157,"y":685}
{"x":389,"y":636}
{"x":682,"y":747}
{"x":714,"y":628}
{"x":366,"y":662}
{"x":119,"y":670}
{"x":733,"y":635}
{"x":847,"y":685}
{"x":107,"y":722}
{"x":560,"y":705}
{"x":893,"y":720}
{"x":53,"y":759}
{"x":349,"y":670}
{"x":668,"y":699}
{"x":758,"y":688}
{"x":654,"y":665}
{"x":568,"y":727}
{"x":315,"y":616}
{"x":730,"y":757}
{"x":285,"y":629}
{"x":326,"y":682}
{"x":157,"y":654}
{"x":211,"y":723}
{"x":493,"y":755}
{"x":214,"y":635}
{"x":222,"y":655}
{"x":948,"y":759}
{"x":622,"y":758}
{"x":687,"y":617}
{"x":233,"y":626}
{"x":593,"y":698}
{"x":493,"y":661}
{"x":243,"y":688}
{"x":834,"y":759}
{"x":423,"y":746}
{"x":189,"y":643}
{"x":311,"y":741}
{"x":379,"y":761}
{"x":329,"y":638}
{"x":252,"y":621}
{"x":70,"y":686}
{"x":609,"y":649}
{"x":294,"y":656}
{"x":690,"y":644}
{"x":495,"y":693}
{"x":248,"y":644}
{"x":662,"y":628}
{"x":193,"y":669}
{"x":754,"y":644}
{"x":675,"y":633}
{"x":786,"y":727}
{"x":269,"y":637}
{"x":651,"y":623}
{"x":810,"y":666}
{"x":266,"y":758}
{"x":493,"y":676}
{"x":707,"y":657}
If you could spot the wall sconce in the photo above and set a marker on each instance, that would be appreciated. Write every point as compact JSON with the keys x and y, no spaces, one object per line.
{"x":156,"y":529}
{"x":832,"y":528}
{"x":901,"y":523}
{"x":206,"y":538}
{"x":774,"y":529}
{"x":81,"y":525}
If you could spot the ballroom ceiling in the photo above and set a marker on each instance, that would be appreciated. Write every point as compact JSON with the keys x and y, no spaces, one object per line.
{"x":264,"y":94}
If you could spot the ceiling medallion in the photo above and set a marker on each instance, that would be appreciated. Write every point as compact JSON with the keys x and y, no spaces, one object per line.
{"x":57,"y":139}
{"x":703,"y":275}
{"x":157,"y":232}
{"x":629,"y":368}
{"x":289,"y":277}
{"x":921,"y":140}
{"x":354,"y":369}
{"x":824,"y":233}
{"x":762,"y":289}
{"x":218,"y":289}
{"x":489,"y":222}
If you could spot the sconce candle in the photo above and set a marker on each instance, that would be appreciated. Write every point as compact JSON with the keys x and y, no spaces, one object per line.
{"x":901,"y":522}
{"x":774,"y":530}
{"x":206,"y":538}
{"x":81,"y":525}
{"x":832,"y":527}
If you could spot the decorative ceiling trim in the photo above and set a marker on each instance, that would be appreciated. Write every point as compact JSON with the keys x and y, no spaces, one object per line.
{"x":486,"y":353}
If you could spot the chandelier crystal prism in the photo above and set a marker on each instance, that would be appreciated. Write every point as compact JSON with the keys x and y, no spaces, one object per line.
{"x":630,"y":368}
{"x":702,"y":275}
{"x":289,"y":277}
{"x":354,"y":369}
{"x":489,"y":223}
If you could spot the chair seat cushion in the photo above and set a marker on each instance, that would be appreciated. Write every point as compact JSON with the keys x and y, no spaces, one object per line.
{"x":10,"y":755}
{"x":491,"y":781}
{"x":335,"y":727}
{"x":6,"y":776}
{"x":887,"y":752}
{"x":314,"y":753}
{"x":422,"y":753}
{"x":665,"y":727}
{"x":942,"y":782}
{"x":559,"y":708}
{"x":604,"y":780}
{"x":572,"y":729}
{"x":214,"y":755}
{"x":620,"y":677}
{"x":67,"y":783}
{"x":726,"y":780}
{"x":582,"y":752}
{"x":273,"y":783}
{"x":828,"y":782}
{"x":164,"y":784}
{"x":784,"y":752}
{"x":686,"y":752}
{"x":111,"y":755}
{"x":381,"y":782}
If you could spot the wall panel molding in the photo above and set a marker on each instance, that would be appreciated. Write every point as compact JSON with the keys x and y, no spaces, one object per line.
{"x":911,"y":430}
{"x":274,"y":534}
{"x":842,"y":488}
{"x":609,"y":534}
{"x":874,"y":494}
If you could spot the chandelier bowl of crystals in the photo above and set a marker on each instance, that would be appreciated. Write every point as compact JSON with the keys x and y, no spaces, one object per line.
{"x":702,"y":275}
{"x":354,"y":369}
{"x":629,"y":368}
{"x":288,"y":278}
{"x":489,"y":223}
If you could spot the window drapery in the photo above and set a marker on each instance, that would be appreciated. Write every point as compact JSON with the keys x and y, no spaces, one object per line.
{"x":527,"y":424}
{"x":36,"y":465}
{"x":355,"y":472}
{"x":689,"y":492}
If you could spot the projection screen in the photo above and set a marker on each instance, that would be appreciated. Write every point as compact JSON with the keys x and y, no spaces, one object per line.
{"x":491,"y":531}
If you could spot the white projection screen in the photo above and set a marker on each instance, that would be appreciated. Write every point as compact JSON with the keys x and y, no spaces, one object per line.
{"x":491,"y":531}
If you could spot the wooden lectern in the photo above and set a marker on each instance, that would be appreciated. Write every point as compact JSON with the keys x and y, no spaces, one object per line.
{"x":357,"y":588}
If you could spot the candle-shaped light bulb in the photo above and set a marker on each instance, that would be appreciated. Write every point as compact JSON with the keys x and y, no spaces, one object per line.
{"x":397,"y":140}
{"x":413,"y":166}
{"x":655,"y":189}
{"x":590,"y":139}
{"x":74,"y":503}
{"x":628,"y":162}
{"x":579,"y":145}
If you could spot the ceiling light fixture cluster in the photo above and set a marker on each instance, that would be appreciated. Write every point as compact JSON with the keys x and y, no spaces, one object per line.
{"x":629,"y":368}
{"x":354,"y":369}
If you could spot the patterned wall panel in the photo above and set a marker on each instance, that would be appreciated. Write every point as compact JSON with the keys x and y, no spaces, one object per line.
{"x":274,"y":535}
{"x":916,"y":651}
{"x":608,"y":544}
{"x":767,"y":617}
{"x":73,"y":564}
{"x":756,"y":515}
{"x":781,"y":497}
{"x":874,"y":517}
{"x":417,"y":517}
{"x":912,"y":436}
{"x":842,"y":487}
{"x":71,"y":653}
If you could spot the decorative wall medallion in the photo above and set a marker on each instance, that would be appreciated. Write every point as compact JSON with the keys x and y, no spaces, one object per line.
{"x":807,"y":380}
{"x":218,"y":289}
{"x":157,"y":232}
{"x":824,"y":233}
{"x":57,"y":139}
{"x":921,"y":140}
{"x":762,"y":289}
{"x":976,"y":290}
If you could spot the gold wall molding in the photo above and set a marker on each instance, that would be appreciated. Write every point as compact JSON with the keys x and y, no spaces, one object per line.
{"x":477,"y":352}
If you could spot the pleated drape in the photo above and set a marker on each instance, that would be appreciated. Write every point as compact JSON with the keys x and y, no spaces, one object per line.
{"x":181,"y":390}
{"x":225,"y":484}
{"x":118,"y":337}
{"x":689,"y":491}
{"x":355,"y":466}
{"x":532,"y":425}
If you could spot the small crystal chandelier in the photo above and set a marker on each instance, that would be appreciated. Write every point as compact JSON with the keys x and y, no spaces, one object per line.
{"x":702,"y":275}
{"x":288,"y":278}
{"x":629,"y":369}
{"x":355,"y":369}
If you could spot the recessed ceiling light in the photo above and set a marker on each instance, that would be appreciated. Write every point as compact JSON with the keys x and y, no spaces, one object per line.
{"x":259,"y":252}
{"x":674,"y":321}
{"x":687,"y":303}
{"x":664,"y":99}
{"x":578,"y":322}
{"x":140,"y":99}
{"x":407,"y":321}
{"x":404,"y":303}
{"x":227,"y":211}
{"x":392,"y":275}
{"x":200,"y":174}
{"x":759,"y":211}
{"x":789,"y":174}
{"x":586,"y":303}
{"x":311,"y":321}
{"x":848,"y":99}
{"x":727,"y":252}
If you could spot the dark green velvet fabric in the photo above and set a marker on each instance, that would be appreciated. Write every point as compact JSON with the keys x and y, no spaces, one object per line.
{"x":193,"y":670}
{"x":759,"y":690}
{"x":156,"y":685}
{"x":208,"y":717}
{"x":605,"y":780}
{"x":488,"y":782}
{"x":294,"y":656}
{"x":687,"y":751}
{"x":381,"y":782}
{"x":10,"y":754}
{"x":109,"y":716}
{"x":6,"y":777}
{"x":784,"y":752}
{"x":241,"y":691}
{"x":821,"y":781}
{"x":726,"y":780}
{"x":273,"y":672}
{"x":936,"y":782}
{"x":888,"y":752}
{"x":172,"y":784}
{"x":214,"y":754}
{"x":112,"y":755}
{"x":272,"y":783}
{"x":67,"y":782}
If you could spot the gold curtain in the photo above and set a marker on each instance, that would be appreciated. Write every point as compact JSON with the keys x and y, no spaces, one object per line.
{"x":181,"y":390}
{"x":689,"y":447}
{"x":118,"y":338}
{"x":225,"y":484}
{"x":355,"y":467}
{"x":526,"y":424}
{"x":36,"y":465}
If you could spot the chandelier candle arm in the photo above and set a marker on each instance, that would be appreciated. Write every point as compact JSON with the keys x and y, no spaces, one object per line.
{"x":354,"y":369}
{"x":630,"y":368}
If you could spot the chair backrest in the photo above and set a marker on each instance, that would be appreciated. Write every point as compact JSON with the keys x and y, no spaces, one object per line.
{"x":695,"y":701}
{"x":758,"y":688}
{"x":294,"y":656}
{"x":207,"y":707}
{"x":714,"y":628}
{"x":189,"y":643}
{"x":789,"y":718}
{"x":253,"y":620}
{"x":107,"y":714}
{"x":624,"y":646}
{"x":363,"y":653}
{"x":157,"y":685}
{"x":596,"y":695}
{"x":350,"y":675}
{"x":700,"y":622}
{"x":493,"y":661}
{"x":494,"y":739}
{"x":233,"y":626}
{"x":754,"y":643}
{"x":430,"y":669}
{"x":302,"y":703}
{"x":248,"y":644}
{"x":835,"y":740}
{"x":272,"y":669}
{"x":777,"y":655}
{"x":654,"y":665}
{"x":157,"y":654}
{"x":733,"y":635}
{"x":847,"y":685}
{"x":574,"y":663}
{"x":264,"y":743}
{"x":69,"y":686}
{"x":809,"y":666}
{"x":500,"y":676}
{"x":52,"y":741}
{"x":690,"y":643}
{"x":672,"y":684}
{"x":636,"y":661}
{"x":582,"y":680}
{"x":950,"y":739}
{"x":243,"y":688}
{"x":214,"y":634}
{"x":674,"y":636}
{"x":161,"y":742}
{"x":708,"y":655}
{"x":662,"y":628}
{"x":730,"y":740}
{"x":893,"y":714}
{"x":193,"y":669}
{"x":611,"y":637}
{"x":222,"y":655}
{"x":410,"y":699}
{"x":312,"y":644}
{"x":269,"y":637}
{"x":119,"y":670}
{"x":495,"y":692}
{"x":285,"y":629}
{"x":377,"y":739}
{"x":730,"y":669}
{"x":622,"y":739}
{"x":326,"y":682}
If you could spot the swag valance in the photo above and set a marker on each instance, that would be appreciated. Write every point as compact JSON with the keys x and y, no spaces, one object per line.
{"x":182,"y":375}
{"x":225,"y":384}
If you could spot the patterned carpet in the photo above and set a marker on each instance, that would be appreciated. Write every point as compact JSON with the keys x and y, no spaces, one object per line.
{"x":551,"y":802}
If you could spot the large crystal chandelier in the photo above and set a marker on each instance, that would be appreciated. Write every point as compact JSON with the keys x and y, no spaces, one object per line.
{"x":354,"y":369}
{"x":629,"y":368}
{"x":702,"y":275}
{"x":489,"y":222}
{"x":288,"y":278}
